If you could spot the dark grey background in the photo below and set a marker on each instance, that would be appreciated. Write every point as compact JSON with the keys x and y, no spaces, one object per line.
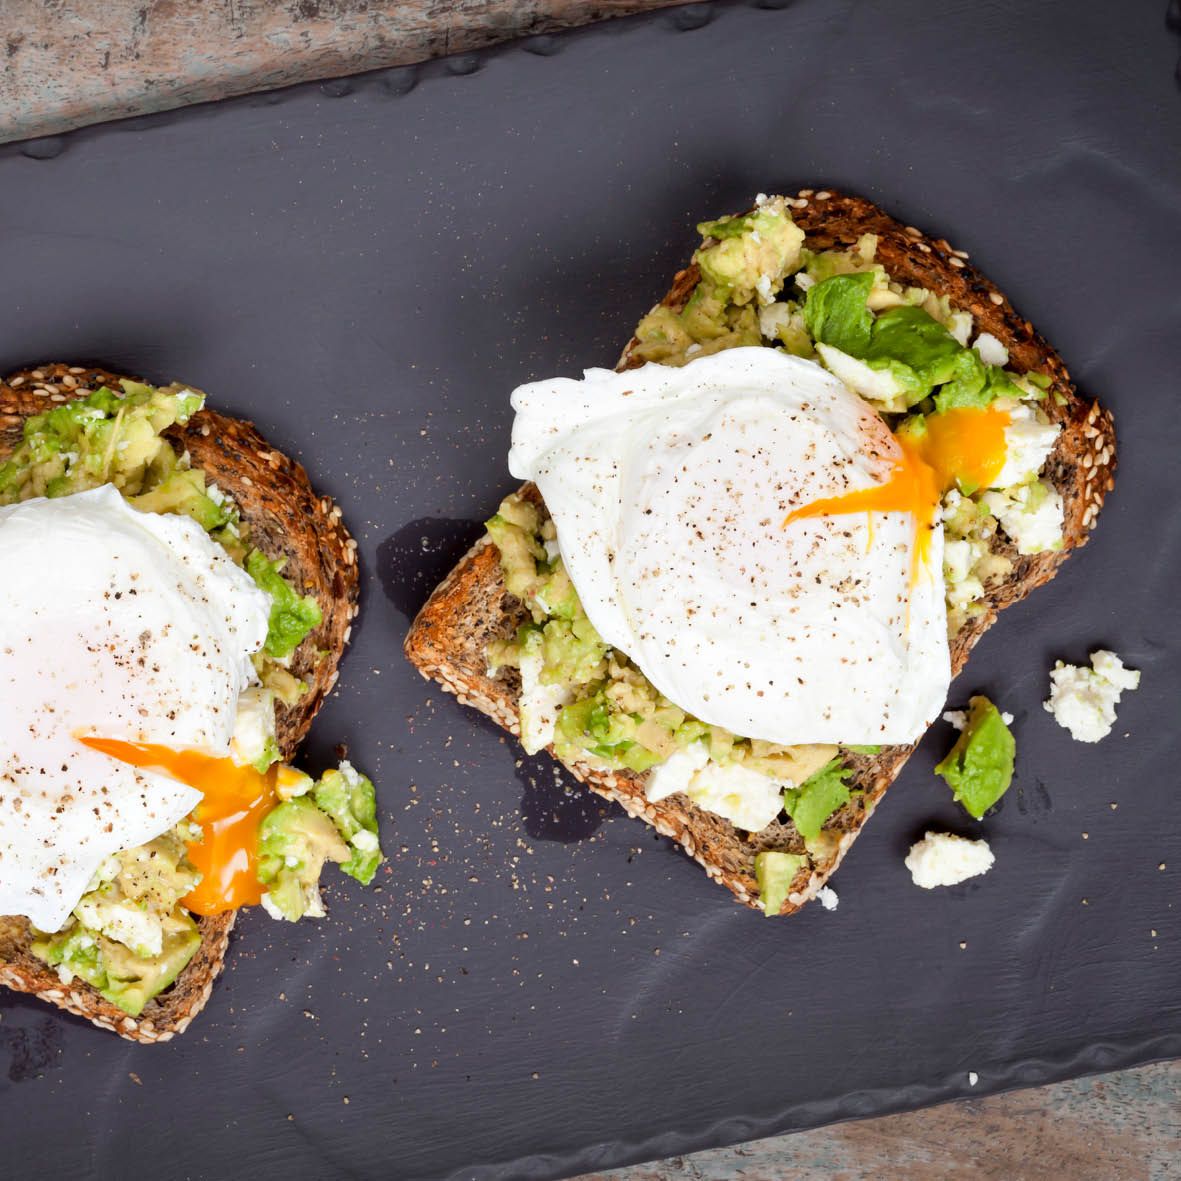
{"x":366,"y":269}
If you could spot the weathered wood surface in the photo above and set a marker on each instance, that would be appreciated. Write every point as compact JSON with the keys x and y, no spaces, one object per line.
{"x":68,"y":65}
{"x":65,"y":65}
{"x":1116,"y":1127}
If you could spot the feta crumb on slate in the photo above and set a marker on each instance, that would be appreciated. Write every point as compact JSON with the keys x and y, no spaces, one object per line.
{"x":942,"y":859}
{"x":1083,"y":700}
{"x":827,"y":898}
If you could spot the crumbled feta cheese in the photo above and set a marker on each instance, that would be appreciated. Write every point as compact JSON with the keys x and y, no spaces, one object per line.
{"x":804,"y":280}
{"x":1031,"y":514}
{"x":748,"y":799}
{"x":676,"y":772}
{"x":774,"y":318}
{"x":123,"y":921}
{"x":943,"y":859}
{"x":827,"y":898}
{"x":959,"y":324}
{"x":254,"y":727}
{"x":364,"y":840}
{"x":973,"y":1078}
{"x":763,"y":287}
{"x":761,"y":199}
{"x":990,"y":350}
{"x":1028,"y":443}
{"x":959,"y":718}
{"x":539,"y":703}
{"x":1083,"y":700}
{"x":552,"y":550}
{"x":692,"y":350}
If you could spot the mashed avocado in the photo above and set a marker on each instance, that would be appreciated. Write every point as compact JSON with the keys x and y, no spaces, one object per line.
{"x":979,"y":768}
{"x":743,"y":262}
{"x":129,"y":936}
{"x":332,"y":820}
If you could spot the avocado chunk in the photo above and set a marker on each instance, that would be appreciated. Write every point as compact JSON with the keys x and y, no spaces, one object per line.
{"x":348,"y":798}
{"x":132,"y":980}
{"x":749,"y":256}
{"x":294,"y":841}
{"x":183,"y":492}
{"x":775,"y":873}
{"x":292,"y":615}
{"x":813,"y":802}
{"x":979,"y":767}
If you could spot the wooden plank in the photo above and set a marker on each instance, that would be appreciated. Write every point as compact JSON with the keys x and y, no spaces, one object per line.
{"x":65,"y":66}
{"x":1125,"y":1125}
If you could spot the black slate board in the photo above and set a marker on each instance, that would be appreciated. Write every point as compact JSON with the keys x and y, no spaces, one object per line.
{"x":367,"y":268}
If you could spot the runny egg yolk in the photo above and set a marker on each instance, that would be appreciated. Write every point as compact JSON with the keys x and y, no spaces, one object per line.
{"x":964,"y":446}
{"x":235,"y":801}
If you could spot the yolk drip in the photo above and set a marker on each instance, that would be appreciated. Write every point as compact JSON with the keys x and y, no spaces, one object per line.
{"x":965,"y":446}
{"x":236,"y":800}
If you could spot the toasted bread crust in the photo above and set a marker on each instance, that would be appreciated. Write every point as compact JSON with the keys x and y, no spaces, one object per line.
{"x":287,"y":519}
{"x":448,"y":639}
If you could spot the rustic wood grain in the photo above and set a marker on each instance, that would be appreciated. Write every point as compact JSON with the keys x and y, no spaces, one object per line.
{"x":1117,"y":1127}
{"x":68,"y":65}
{"x":65,"y":66}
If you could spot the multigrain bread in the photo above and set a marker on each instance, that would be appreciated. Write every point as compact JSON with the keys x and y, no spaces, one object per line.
{"x":448,"y":640}
{"x":287,"y":519}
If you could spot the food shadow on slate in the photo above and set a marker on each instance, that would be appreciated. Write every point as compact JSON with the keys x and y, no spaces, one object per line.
{"x":410,"y":564}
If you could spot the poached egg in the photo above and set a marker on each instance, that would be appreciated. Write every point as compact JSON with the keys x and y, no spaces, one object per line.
{"x":753,"y":536}
{"x":116,"y":627}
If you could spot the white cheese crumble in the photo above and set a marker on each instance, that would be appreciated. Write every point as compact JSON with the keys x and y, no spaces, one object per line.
{"x":1031,"y":514}
{"x":1028,"y":443}
{"x":254,"y":726}
{"x":827,"y":898}
{"x":748,"y":799}
{"x":943,"y":859}
{"x":1083,"y":700}
{"x":973,"y":1078}
{"x":763,"y":287}
{"x":990,"y":350}
{"x":540,"y":703}
{"x":959,"y":718}
{"x":959,"y":324}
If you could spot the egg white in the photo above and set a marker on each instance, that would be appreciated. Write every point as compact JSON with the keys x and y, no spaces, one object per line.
{"x":669,"y":488}
{"x":112,"y":622}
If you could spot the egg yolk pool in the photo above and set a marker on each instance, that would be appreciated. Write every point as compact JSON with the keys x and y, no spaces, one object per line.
{"x":236,"y":800}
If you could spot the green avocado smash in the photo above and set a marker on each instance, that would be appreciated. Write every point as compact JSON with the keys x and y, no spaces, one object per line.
{"x":743,"y":261}
{"x":979,"y":768}
{"x":292,"y":616}
{"x":333,"y":820}
{"x":814,"y":801}
{"x":915,"y":351}
{"x":128,"y":936}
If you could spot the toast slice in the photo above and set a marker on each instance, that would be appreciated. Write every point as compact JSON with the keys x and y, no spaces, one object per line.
{"x":447,"y":641}
{"x":287,"y":519}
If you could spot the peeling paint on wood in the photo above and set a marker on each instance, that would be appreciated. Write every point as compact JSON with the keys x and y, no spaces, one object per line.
{"x":65,"y":66}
